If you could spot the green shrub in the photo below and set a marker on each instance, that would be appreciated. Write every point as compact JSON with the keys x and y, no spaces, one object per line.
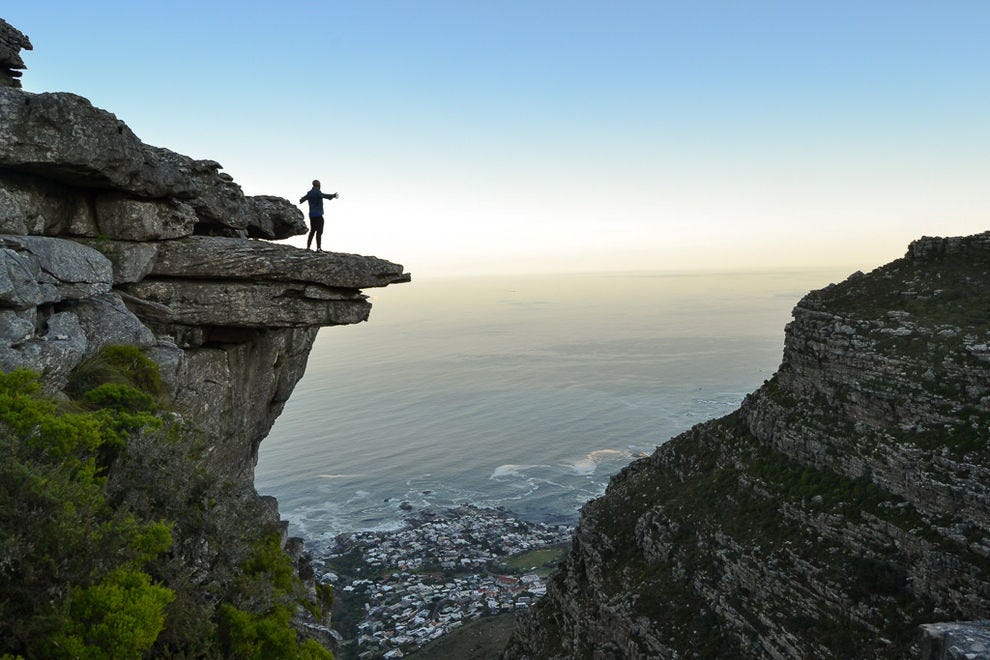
{"x":246,"y":635}
{"x":260,"y":637}
{"x":324,"y":600}
{"x":271,"y":562}
{"x":256,"y":623}
{"x":119,"y":397}
{"x":61,"y":544}
{"x":108,"y":516}
{"x":120,"y":365}
{"x":120,"y":617}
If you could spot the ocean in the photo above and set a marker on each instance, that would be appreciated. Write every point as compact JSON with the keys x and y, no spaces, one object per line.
{"x":522,"y":392}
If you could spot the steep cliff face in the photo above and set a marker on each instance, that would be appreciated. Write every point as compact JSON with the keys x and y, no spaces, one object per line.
{"x":107,"y":240}
{"x":844,"y":504}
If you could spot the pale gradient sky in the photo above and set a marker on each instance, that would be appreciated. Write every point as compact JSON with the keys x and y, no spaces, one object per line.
{"x":561,"y":136}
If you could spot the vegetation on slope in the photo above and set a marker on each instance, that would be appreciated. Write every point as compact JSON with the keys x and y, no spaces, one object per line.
{"x":116,"y":540}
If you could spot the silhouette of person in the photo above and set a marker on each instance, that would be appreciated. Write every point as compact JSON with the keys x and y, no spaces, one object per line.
{"x":315,"y":199}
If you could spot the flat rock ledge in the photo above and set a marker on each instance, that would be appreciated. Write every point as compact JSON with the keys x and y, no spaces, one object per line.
{"x":229,"y":282}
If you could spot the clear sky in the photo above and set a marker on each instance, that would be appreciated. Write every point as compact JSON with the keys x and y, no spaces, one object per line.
{"x":473,"y":136}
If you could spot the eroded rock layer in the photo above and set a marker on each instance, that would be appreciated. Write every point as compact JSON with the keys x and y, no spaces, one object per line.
{"x":843,"y":505}
{"x":12,"y":41}
{"x":106,"y":240}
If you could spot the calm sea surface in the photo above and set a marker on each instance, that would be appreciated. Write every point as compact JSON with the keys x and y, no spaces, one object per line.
{"x":522,"y":392}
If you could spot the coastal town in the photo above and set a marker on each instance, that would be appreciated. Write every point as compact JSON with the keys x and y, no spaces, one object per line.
{"x":398,"y":590}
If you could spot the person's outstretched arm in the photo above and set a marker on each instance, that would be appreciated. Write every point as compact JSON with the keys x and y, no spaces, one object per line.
{"x":330,"y":196}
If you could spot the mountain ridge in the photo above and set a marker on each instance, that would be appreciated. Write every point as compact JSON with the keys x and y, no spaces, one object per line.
{"x":842,"y":506}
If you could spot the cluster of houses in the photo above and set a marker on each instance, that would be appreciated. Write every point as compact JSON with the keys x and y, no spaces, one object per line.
{"x":438,"y":572}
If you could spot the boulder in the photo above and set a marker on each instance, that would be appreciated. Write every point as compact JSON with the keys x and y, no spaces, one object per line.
{"x":131,"y":261}
{"x":18,"y":286}
{"x":106,"y":321}
{"x":63,"y":269}
{"x":54,"y":355}
{"x":274,"y":217}
{"x":14,"y":327}
{"x":64,"y":138}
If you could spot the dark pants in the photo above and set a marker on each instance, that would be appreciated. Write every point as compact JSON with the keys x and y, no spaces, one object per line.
{"x":315,"y":228}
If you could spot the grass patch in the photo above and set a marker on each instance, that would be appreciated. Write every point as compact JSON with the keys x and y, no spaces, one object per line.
{"x":481,"y":639}
{"x":542,"y":561}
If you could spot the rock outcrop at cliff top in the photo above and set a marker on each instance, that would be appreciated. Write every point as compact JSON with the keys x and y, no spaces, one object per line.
{"x":844,"y":504}
{"x":12,"y":41}
{"x":107,"y":240}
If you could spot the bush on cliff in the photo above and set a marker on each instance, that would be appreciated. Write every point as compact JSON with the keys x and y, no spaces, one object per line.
{"x":123,"y":614}
{"x":268,"y":590}
{"x":63,"y":550}
{"x":116,"y":537}
{"x":118,"y":365}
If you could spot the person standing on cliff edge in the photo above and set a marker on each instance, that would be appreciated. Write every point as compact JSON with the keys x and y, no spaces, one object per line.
{"x":315,"y":199}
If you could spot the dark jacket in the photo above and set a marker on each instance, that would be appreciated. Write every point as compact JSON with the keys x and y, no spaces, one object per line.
{"x":315,"y":199}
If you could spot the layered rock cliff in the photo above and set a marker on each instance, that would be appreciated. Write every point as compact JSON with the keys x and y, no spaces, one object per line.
{"x":105,"y":240}
{"x":844,"y":504}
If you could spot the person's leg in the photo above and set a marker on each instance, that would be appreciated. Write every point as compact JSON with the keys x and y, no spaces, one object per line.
{"x":309,"y":239}
{"x":318,"y":228}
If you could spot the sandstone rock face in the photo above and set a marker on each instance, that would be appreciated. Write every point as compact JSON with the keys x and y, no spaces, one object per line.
{"x":106,"y":240}
{"x":846,"y":503}
{"x":30,"y":205}
{"x":61,"y":269}
{"x":62,"y":138}
{"x":139,"y":220}
{"x":238,"y":389}
{"x":221,"y":257}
